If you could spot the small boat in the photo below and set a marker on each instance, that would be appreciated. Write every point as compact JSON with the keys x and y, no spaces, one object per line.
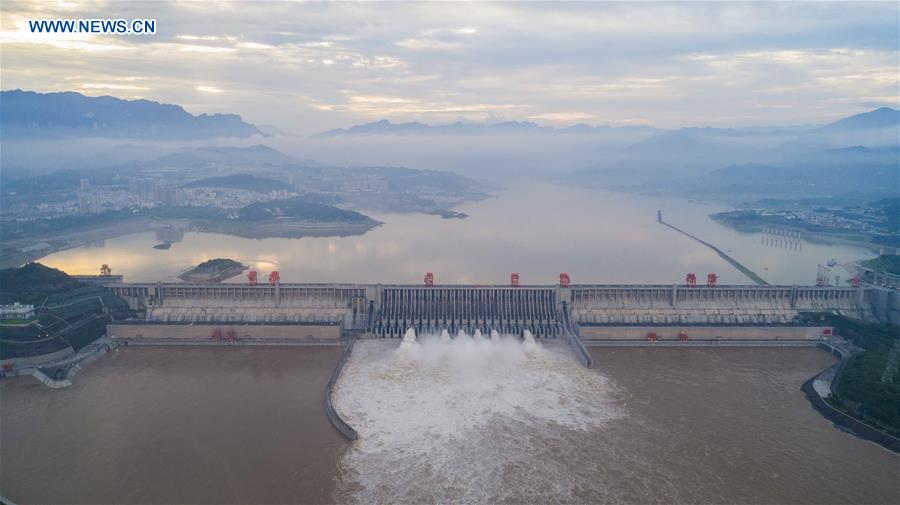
{"x":163,"y":246}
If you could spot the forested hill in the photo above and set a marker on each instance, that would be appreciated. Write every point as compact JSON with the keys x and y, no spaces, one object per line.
{"x":242,"y":181}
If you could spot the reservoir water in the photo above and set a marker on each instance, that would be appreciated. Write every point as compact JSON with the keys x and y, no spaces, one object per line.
{"x":537,"y":230}
{"x":472,"y":421}
{"x":482,"y":422}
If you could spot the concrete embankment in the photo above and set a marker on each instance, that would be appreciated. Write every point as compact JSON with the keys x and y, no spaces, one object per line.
{"x":640,"y":333}
{"x":701,"y":343}
{"x":154,"y":332}
{"x":570,"y":333}
{"x":733,"y":262}
{"x":817,"y":395}
{"x":71,"y":364}
{"x":335,"y":418}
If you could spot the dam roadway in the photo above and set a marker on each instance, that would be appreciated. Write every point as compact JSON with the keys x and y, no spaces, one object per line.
{"x":595,"y":311}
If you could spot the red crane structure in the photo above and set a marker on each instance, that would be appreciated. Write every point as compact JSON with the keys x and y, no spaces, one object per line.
{"x":711,"y":280}
{"x":651,"y":337}
{"x":216,"y":335}
{"x":682,"y":336}
{"x":514,"y":280}
{"x":691,"y":280}
{"x":564,"y":280}
{"x":231,"y":335}
{"x":274,"y":278}
{"x":822,"y":275}
{"x":429,"y":279}
{"x":251,"y":276}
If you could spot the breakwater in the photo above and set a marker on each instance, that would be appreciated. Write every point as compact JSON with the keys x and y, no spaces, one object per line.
{"x":336,"y":420}
{"x":753,"y":276}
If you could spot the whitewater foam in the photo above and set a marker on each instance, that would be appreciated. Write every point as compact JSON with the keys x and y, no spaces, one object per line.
{"x":462,"y":419}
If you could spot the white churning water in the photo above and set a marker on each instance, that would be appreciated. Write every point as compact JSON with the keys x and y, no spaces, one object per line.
{"x":465,"y":419}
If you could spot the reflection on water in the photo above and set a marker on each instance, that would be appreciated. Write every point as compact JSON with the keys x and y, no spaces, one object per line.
{"x":170,"y":234}
{"x":538,"y":230}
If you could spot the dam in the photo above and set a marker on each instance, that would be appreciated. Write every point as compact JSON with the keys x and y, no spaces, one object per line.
{"x":547,"y":311}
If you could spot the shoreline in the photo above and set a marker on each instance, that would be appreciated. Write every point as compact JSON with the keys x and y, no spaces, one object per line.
{"x":814,"y":237}
{"x":841,"y":420}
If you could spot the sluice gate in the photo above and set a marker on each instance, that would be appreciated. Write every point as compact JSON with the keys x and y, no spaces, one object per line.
{"x":430,"y":309}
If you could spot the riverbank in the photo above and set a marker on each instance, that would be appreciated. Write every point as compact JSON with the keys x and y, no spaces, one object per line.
{"x":288,"y":228}
{"x":20,"y":251}
{"x":817,"y":390}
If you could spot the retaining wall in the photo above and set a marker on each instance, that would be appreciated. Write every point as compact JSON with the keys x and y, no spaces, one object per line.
{"x":336,"y":420}
{"x":639,"y":333}
{"x":187,"y":332}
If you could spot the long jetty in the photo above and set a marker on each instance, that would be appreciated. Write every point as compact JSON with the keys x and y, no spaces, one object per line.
{"x":725,"y":256}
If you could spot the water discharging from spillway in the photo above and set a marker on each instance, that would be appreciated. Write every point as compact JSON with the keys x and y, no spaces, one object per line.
{"x":467,"y":419}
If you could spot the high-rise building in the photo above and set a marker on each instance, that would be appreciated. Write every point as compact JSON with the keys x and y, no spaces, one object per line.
{"x":169,"y":196}
{"x":89,"y":203}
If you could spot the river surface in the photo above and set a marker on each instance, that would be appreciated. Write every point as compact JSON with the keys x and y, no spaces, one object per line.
{"x":174,"y":425}
{"x":535,"y":229}
{"x":478,"y":424}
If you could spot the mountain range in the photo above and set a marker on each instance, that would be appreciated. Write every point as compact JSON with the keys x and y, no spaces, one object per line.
{"x":30,"y":115}
{"x":385,"y":127}
{"x":883,"y":117}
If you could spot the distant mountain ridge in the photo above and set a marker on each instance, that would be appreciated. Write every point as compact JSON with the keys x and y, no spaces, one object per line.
{"x":385,"y":127}
{"x":883,"y":117}
{"x":31,"y":115}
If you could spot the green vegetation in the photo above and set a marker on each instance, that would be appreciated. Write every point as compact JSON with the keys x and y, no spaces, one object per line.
{"x":242,"y":181}
{"x":299,"y":208}
{"x":33,"y":283}
{"x":12,"y":230}
{"x":886,"y":263}
{"x":68,"y":312}
{"x":868,"y":388}
{"x":214,"y":270}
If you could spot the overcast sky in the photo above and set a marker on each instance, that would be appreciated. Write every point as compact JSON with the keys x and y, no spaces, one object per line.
{"x":307,"y":67}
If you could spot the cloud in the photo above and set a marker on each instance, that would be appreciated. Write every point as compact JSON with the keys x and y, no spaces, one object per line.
{"x":311,"y":66}
{"x":208,"y":89}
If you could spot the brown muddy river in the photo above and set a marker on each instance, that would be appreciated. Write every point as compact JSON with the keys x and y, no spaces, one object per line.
{"x":473,"y":423}
{"x":179,"y":425}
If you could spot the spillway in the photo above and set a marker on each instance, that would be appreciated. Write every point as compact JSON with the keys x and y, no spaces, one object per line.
{"x":452,"y":419}
{"x":387,"y":311}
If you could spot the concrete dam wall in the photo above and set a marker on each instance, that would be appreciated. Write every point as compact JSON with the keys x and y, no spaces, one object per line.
{"x":738,"y":305}
{"x":431,"y":309}
{"x":547,"y":311}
